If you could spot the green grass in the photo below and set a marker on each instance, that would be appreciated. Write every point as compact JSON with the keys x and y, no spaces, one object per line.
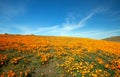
{"x":51,"y":68}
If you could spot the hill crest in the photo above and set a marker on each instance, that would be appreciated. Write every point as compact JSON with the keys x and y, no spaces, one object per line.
{"x":113,"y":38}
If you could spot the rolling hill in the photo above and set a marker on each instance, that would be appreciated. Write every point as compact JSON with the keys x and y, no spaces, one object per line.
{"x":114,"y":39}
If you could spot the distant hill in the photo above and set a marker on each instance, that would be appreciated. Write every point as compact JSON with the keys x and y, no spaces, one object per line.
{"x":114,"y":38}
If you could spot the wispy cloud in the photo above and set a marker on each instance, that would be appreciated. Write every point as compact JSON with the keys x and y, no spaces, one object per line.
{"x":104,"y":34}
{"x":65,"y":28}
{"x":39,"y":30}
{"x":97,"y":34}
{"x":4,"y":30}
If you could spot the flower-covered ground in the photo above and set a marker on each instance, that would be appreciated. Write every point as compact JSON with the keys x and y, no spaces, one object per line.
{"x":50,"y":56}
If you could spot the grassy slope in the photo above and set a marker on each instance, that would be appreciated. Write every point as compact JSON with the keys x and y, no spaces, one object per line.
{"x":114,"y":38}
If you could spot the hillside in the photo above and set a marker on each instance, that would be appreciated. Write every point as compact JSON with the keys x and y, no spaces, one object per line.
{"x":114,"y":39}
{"x":48,"y":56}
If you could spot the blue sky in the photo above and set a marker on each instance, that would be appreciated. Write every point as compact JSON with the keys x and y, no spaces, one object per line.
{"x":80,"y":18}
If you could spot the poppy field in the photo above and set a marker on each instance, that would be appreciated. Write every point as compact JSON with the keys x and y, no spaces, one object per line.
{"x":55,"y":56}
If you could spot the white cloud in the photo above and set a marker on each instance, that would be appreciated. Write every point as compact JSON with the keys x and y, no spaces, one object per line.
{"x":99,"y":34}
{"x":66,"y":29}
{"x":4,"y":30}
{"x":39,"y":30}
{"x":63,"y":29}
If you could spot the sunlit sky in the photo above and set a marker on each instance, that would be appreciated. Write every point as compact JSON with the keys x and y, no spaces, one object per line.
{"x":79,"y":18}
